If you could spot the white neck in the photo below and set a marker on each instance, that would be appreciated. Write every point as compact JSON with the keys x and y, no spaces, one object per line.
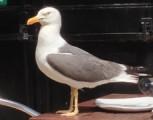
{"x":51,"y":28}
{"x":49,"y":39}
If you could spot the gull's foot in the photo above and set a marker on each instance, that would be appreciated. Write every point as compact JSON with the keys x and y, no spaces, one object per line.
{"x":64,"y":111}
{"x":70,"y":114}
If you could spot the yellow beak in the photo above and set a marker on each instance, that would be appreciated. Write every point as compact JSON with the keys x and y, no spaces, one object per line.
{"x":33,"y":20}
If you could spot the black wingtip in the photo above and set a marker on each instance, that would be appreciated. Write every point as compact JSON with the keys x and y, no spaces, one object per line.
{"x":140,"y":71}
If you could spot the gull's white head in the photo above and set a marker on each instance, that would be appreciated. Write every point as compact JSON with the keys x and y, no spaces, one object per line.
{"x":46,"y":16}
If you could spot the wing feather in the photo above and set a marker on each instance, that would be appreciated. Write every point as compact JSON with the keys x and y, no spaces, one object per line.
{"x":85,"y":68}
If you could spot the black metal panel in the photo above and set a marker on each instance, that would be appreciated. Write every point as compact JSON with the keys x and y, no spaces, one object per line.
{"x":105,"y":20}
{"x":17,"y":59}
{"x":19,"y":2}
{"x":91,"y":2}
{"x":13,"y":17}
{"x":102,"y":19}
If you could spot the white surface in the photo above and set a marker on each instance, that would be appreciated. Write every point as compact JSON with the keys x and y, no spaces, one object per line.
{"x":126,"y":104}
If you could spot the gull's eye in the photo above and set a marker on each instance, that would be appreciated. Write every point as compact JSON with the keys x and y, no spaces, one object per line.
{"x":48,"y":13}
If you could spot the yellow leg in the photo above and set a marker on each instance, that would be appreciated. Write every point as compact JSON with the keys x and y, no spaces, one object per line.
{"x":71,"y":104}
{"x":73,"y":110}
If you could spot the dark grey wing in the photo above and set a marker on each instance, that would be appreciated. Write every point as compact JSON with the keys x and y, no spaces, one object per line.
{"x":85,"y":68}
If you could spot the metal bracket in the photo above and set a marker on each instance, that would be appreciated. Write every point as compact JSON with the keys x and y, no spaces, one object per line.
{"x":23,"y":32}
{"x":147,"y":28}
{"x":23,"y":29}
{"x":18,"y":106}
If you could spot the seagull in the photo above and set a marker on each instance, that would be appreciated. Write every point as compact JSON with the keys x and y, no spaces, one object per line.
{"x":71,"y":65}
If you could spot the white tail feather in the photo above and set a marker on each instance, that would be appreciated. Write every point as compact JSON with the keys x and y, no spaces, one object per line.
{"x":124,"y":77}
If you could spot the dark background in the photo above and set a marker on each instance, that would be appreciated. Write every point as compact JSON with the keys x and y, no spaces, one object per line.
{"x":116,"y":30}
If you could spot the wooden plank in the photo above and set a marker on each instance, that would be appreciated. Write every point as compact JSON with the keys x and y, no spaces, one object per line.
{"x":88,"y":111}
